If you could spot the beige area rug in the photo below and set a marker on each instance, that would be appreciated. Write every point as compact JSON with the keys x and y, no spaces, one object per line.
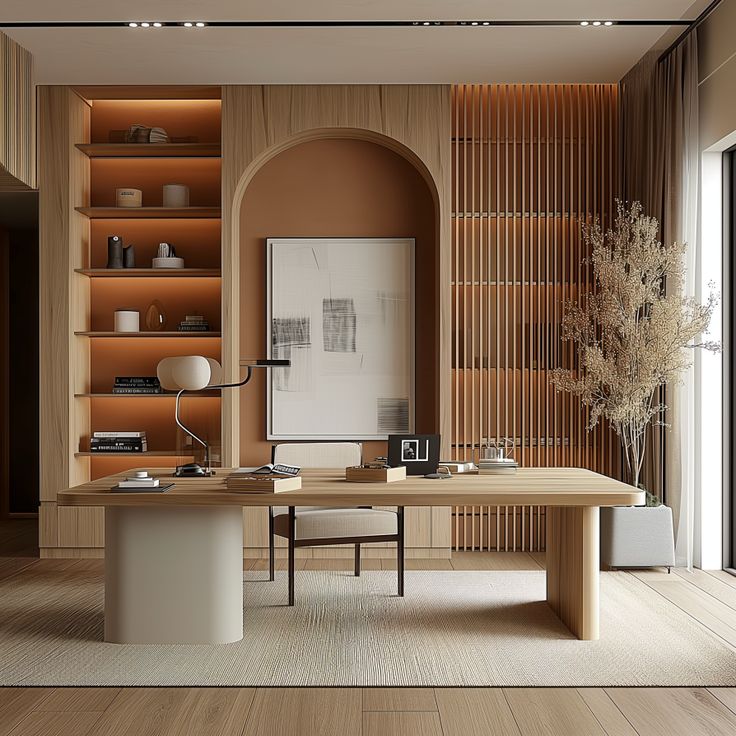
{"x":453,"y":628}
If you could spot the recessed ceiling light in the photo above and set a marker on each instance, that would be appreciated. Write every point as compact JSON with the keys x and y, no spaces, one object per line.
{"x":157,"y":25}
{"x":583,"y":22}
{"x":200,"y":24}
{"x":426,"y":23}
{"x":474,"y":23}
{"x":486,"y":23}
{"x":133,"y":25}
{"x":188,"y":24}
{"x":608,"y":23}
{"x":145,"y":25}
{"x":596,"y":22}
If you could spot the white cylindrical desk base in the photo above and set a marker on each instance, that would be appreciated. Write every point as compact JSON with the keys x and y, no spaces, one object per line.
{"x":173,"y":575}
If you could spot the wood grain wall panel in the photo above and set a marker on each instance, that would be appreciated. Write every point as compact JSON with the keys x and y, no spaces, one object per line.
{"x":530,"y":165}
{"x":81,"y":526}
{"x":17,"y":117}
{"x":258,"y":122}
{"x":64,"y":359}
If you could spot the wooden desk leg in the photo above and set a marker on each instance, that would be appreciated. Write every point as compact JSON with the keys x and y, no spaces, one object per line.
{"x":173,"y":574}
{"x":573,"y":574}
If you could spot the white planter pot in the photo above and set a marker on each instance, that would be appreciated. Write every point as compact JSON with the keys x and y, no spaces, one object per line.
{"x":637,"y":536}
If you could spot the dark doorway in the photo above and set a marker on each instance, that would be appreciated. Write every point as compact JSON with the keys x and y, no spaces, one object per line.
{"x":19,"y":391}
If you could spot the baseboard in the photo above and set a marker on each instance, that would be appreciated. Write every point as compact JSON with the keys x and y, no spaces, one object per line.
{"x":260,"y":553}
{"x":72,"y":553}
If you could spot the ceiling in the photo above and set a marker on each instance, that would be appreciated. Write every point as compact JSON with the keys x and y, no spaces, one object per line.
{"x":337,"y":55}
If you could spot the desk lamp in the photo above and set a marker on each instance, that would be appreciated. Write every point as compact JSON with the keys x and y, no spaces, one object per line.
{"x":196,"y":373}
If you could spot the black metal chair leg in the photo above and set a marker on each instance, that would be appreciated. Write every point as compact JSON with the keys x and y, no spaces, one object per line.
{"x":271,"y":547}
{"x":292,"y":552}
{"x":400,"y":549}
{"x":357,"y":560}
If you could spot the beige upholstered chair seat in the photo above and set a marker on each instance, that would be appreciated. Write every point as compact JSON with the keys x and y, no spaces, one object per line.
{"x":337,"y":523}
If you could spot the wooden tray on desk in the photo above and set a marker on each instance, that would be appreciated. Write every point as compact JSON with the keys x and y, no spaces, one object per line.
{"x":357,"y":474}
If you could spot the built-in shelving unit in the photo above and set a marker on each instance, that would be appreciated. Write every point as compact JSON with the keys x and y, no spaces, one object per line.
{"x":531,"y":164}
{"x":195,"y":289}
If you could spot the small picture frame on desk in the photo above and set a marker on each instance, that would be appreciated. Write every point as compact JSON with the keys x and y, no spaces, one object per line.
{"x":419,"y":453}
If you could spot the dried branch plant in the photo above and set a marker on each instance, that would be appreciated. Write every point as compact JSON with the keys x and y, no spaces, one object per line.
{"x":635,"y":332}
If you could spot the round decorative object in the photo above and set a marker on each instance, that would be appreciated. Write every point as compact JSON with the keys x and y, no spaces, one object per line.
{"x":176,"y":195}
{"x":155,"y":316}
{"x":127,"y":197}
{"x":127,"y":320}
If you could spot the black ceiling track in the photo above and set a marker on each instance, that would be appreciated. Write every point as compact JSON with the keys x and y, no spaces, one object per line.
{"x":480,"y":23}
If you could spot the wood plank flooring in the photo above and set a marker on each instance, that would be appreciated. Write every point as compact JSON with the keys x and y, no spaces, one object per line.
{"x":708,"y":597}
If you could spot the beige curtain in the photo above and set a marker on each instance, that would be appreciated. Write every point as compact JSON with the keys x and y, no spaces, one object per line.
{"x":660,"y":168}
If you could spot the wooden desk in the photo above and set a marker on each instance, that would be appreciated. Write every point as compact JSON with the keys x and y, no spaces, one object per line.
{"x":173,"y":569}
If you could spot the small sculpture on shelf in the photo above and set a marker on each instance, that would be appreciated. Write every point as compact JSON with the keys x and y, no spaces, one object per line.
{"x":155,"y":316}
{"x":167,"y":258}
{"x":114,"y":251}
{"x":118,"y":255}
{"x":129,"y":256}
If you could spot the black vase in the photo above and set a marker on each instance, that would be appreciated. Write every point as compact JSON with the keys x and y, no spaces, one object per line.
{"x":115,"y":252}
{"x":129,"y":256}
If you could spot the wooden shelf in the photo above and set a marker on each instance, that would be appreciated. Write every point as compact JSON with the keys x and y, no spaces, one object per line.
{"x":150,"y":453}
{"x":170,"y":395}
{"x":148,"y":213}
{"x":118,"y":273}
{"x":148,"y":334}
{"x":150,"y":150}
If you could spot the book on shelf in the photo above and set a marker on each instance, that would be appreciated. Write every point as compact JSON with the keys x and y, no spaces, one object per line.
{"x":136,"y":390}
{"x":136,"y":385}
{"x":118,"y":441}
{"x":118,"y":448}
{"x":249,"y":483}
{"x":194,"y":327}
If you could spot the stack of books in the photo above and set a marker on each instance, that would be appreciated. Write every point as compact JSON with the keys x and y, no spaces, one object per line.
{"x":140,"y":483}
{"x":194,"y":323}
{"x":118,"y":442}
{"x":497,"y":467}
{"x":248,"y":482}
{"x":136,"y":385}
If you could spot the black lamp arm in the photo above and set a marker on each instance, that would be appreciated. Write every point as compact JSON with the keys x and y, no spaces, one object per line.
{"x":214,"y":387}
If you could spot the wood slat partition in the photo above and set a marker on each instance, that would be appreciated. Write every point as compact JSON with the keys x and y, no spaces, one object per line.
{"x":530,"y":165}
{"x":17,"y":118}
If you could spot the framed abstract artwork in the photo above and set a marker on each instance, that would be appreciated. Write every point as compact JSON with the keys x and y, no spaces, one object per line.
{"x":342,"y":311}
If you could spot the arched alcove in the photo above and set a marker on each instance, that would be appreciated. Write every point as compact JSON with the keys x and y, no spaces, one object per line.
{"x":337,"y":186}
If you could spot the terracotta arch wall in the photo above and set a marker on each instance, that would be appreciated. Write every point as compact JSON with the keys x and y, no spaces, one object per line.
{"x":338,"y":187}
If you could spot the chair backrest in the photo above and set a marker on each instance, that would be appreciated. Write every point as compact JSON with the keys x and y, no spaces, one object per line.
{"x":319,"y":454}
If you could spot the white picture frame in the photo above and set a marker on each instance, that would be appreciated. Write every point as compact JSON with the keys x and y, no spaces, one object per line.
{"x":342,"y":310}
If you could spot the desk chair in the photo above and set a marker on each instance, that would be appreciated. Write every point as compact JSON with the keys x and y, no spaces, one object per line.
{"x":309,"y":526}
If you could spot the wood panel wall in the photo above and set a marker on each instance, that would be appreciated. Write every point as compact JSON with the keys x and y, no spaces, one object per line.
{"x":261,"y":121}
{"x":17,"y":117}
{"x":530,"y":165}
{"x":64,"y":234}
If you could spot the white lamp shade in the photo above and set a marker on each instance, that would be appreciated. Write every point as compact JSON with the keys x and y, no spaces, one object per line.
{"x":189,"y":372}
{"x":215,"y":372}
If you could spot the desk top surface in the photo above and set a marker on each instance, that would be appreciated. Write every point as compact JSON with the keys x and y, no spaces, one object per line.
{"x":526,"y":487}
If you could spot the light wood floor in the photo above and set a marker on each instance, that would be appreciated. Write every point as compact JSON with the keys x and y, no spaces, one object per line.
{"x":709,"y":597}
